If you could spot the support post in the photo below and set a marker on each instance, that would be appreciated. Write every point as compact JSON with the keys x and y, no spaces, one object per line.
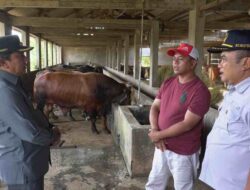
{"x":126,"y":53}
{"x":154,"y":46}
{"x":196,"y":31}
{"x":27,"y":38}
{"x":118,"y":58}
{"x":136,"y":54}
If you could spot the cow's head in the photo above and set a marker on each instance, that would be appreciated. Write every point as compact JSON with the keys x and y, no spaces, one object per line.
{"x":126,"y":95}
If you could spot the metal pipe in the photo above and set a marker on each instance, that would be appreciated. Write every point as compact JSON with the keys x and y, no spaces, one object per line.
{"x":150,"y":91}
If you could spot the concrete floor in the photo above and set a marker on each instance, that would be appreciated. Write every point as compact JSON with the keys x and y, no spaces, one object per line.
{"x":88,"y":161}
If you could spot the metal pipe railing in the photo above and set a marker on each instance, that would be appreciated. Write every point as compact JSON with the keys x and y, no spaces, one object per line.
{"x":150,"y":91}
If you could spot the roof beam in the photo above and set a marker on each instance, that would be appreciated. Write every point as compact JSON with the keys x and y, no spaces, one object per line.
{"x":179,"y":15}
{"x":230,"y":17}
{"x":212,"y":25}
{"x":76,"y":22}
{"x":213,"y":4}
{"x":232,"y":6}
{"x":85,"y":45}
{"x":73,"y":31}
{"x":81,"y":38}
{"x":97,"y":4}
{"x":80,"y":43}
{"x":227,"y":25}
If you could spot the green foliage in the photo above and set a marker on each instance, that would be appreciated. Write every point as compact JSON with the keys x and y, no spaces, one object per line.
{"x":34,"y":65}
{"x":215,"y":90}
{"x":145,"y":60}
{"x":216,"y":95}
{"x":204,"y":77}
{"x":164,"y":72}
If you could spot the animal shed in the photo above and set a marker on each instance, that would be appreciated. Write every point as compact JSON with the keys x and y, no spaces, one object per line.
{"x":107,"y":33}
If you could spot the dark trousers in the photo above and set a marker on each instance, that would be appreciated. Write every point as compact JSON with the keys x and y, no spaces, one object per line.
{"x":34,"y":185}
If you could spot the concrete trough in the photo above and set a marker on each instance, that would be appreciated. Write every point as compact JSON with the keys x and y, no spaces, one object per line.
{"x":130,"y":125}
{"x":130,"y":128}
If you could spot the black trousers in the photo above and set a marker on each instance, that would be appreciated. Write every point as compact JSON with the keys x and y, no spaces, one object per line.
{"x":34,"y":185}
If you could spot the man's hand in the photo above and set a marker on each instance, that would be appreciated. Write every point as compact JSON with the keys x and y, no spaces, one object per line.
{"x":160,"y":145}
{"x":57,"y":136}
{"x":154,"y":135}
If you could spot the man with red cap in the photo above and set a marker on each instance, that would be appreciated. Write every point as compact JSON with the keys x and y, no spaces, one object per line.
{"x":176,"y":122}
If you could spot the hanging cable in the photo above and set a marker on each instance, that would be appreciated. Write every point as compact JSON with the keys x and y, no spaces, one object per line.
{"x":140,"y":58}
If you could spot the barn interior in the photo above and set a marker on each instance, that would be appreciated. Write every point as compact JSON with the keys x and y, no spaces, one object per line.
{"x":129,"y":40}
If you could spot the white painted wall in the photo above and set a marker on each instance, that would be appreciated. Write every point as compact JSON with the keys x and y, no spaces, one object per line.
{"x":79,"y":55}
{"x":162,"y":59}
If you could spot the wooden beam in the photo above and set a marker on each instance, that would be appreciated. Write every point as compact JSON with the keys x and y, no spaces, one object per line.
{"x":227,"y":6}
{"x":83,"y":45}
{"x":76,"y":22}
{"x":228,"y":25}
{"x":236,"y":6}
{"x":81,"y":41}
{"x":97,"y":4}
{"x":211,"y":25}
{"x":234,"y":17}
{"x":74,"y":12}
{"x":213,"y":4}
{"x":81,"y":38}
{"x":74,"y":31}
{"x":179,"y":33}
{"x":220,"y":16}
{"x":178,"y":16}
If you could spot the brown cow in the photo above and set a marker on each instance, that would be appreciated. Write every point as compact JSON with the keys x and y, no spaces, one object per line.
{"x":91,"y":92}
{"x":69,"y":68}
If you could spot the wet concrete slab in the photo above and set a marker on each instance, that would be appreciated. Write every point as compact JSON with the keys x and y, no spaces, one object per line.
{"x":88,"y":168}
{"x":95,"y":162}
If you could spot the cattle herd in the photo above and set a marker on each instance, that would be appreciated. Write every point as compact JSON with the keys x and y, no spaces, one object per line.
{"x":83,"y":87}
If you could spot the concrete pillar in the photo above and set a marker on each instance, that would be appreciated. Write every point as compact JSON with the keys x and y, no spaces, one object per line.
{"x":52,"y":45}
{"x":154,"y":46}
{"x":40,"y":51}
{"x":4,"y":18}
{"x":47,"y":54}
{"x":110,"y":57}
{"x":62,"y":55}
{"x":118,"y":57}
{"x":126,"y":54}
{"x":209,"y":59}
{"x":114,"y":56}
{"x":136,"y":54}
{"x":7,"y":28}
{"x":27,"y":38}
{"x":107,"y":57}
{"x":196,"y":31}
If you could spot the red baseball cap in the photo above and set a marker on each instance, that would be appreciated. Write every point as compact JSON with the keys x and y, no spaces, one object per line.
{"x":185,"y":50}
